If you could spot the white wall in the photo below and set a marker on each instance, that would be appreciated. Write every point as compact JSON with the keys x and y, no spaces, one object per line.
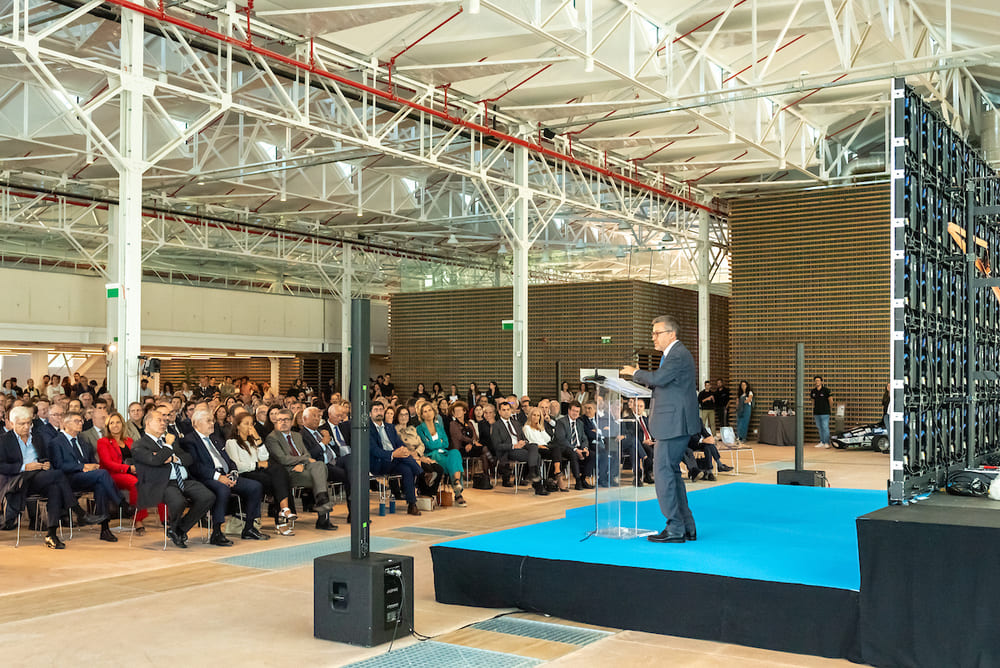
{"x":66,"y":308}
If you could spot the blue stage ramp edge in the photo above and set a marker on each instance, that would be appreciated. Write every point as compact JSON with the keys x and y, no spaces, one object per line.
{"x":775,"y":533}
{"x":432,"y":654}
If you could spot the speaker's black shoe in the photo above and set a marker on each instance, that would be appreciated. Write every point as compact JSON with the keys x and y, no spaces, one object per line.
{"x":691,"y":535}
{"x":109,"y":536}
{"x":664,"y":537}
{"x":176,"y":537}
{"x":54,"y":543}
{"x":252,"y":534}
{"x":218,"y":538}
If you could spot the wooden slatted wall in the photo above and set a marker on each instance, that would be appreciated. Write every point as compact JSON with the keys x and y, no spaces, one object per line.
{"x":455,"y":336}
{"x":812,"y":266}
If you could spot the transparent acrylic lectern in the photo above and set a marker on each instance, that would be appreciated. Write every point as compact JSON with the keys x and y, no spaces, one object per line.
{"x":616,"y":509}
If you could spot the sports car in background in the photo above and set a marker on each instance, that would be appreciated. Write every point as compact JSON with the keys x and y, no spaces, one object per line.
{"x":869,"y":437}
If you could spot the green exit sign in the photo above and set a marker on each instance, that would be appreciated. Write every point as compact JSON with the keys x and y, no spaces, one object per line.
{"x":112,"y":293}
{"x":605,"y":339}
{"x":507,"y":325}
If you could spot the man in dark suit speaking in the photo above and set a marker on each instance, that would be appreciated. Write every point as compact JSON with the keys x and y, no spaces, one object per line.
{"x":673,"y":419}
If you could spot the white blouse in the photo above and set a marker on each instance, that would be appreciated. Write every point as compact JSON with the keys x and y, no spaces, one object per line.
{"x":245,"y":461}
{"x":532,"y":435}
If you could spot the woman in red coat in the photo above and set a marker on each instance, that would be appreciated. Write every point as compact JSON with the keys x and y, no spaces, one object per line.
{"x":115,"y":454}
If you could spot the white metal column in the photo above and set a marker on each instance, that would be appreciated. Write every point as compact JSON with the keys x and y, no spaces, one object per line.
{"x":521,"y":244}
{"x":704,"y":313}
{"x":275,"y":367}
{"x":125,"y":250}
{"x":39,"y":366}
{"x":345,"y":323}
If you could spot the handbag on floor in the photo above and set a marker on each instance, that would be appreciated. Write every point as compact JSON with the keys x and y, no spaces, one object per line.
{"x":481,"y":481}
{"x":234,"y":524}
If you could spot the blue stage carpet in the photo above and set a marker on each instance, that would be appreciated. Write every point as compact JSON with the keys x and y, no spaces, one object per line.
{"x":777,"y":533}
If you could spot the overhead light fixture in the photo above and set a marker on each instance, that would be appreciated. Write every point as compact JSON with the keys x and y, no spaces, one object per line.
{"x":474,"y":6}
{"x":624,"y":225}
{"x":453,"y":240}
{"x":502,"y":250}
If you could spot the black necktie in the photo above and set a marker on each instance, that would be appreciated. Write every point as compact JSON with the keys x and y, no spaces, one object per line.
{"x":178,"y":472}
{"x":76,"y":444}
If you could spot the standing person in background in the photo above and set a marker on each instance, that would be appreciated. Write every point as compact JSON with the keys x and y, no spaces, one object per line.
{"x":886,"y":398}
{"x":744,"y":409}
{"x":472,"y":396}
{"x":706,"y":407}
{"x":493,"y":393}
{"x":582,"y":396}
{"x":674,"y":419}
{"x":565,"y":397}
{"x":722,"y":403}
{"x":820,"y":394}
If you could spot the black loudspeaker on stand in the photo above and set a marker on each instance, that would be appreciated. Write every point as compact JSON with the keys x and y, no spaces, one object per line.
{"x":360,"y":597}
{"x":799,"y":476}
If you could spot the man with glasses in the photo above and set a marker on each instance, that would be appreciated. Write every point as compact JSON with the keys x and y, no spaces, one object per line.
{"x":25,"y":470}
{"x":287,"y":448}
{"x":77,"y":459}
{"x":673,"y":420}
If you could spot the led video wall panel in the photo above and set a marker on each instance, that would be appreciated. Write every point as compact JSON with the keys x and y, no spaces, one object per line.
{"x":946,"y":310}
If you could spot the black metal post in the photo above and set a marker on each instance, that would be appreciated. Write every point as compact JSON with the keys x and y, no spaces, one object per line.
{"x":360,"y":346}
{"x":800,"y":414}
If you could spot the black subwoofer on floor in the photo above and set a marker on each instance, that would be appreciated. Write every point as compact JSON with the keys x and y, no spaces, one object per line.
{"x":362,"y":602}
{"x":803,"y":478}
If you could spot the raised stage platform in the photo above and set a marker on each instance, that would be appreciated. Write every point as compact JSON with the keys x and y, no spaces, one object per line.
{"x":773,"y":567}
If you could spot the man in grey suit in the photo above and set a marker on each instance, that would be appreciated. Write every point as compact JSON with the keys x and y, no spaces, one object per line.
{"x":673,"y":420}
{"x":287,"y":448}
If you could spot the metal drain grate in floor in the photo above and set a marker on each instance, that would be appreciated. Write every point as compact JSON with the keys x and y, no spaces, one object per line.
{"x":299,"y":555}
{"x":529,"y":628}
{"x":432,"y":654}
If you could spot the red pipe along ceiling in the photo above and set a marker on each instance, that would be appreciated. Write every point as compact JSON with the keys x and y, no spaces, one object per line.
{"x":161,"y":15}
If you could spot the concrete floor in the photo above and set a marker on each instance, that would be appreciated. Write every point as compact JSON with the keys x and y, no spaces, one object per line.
{"x":102,"y":604}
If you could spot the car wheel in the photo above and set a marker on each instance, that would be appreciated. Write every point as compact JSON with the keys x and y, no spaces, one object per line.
{"x":881,"y":444}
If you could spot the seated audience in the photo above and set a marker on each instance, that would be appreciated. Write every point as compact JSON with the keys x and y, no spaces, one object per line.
{"x":434,"y":473}
{"x":388,"y":456}
{"x":323,"y":448}
{"x":114,"y":450}
{"x":286,"y":448}
{"x":508,"y":438}
{"x":78,"y":462}
{"x":251,"y":458}
{"x":465,"y":438}
{"x":571,"y":435}
{"x":534,"y":432}
{"x":214,"y":469}
{"x":161,"y":467}
{"x":432,"y":432}
{"x":25,"y":470}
